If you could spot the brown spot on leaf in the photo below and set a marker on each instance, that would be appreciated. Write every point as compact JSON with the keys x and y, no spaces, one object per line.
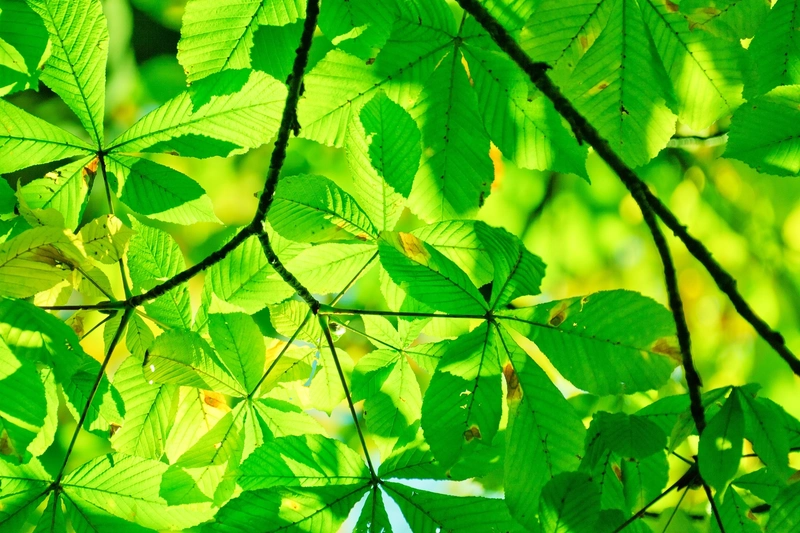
{"x":90,"y":170}
{"x":557,"y":315}
{"x":597,"y":88}
{"x":472,"y":433}
{"x":667,"y":346}
{"x":584,"y":42}
{"x":370,"y":61}
{"x":672,"y":7}
{"x":617,"y":471}
{"x":512,"y":380}
{"x":113,"y":428}
{"x":214,"y":399}
{"x":414,"y":248}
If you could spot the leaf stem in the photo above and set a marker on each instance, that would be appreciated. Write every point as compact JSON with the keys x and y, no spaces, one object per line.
{"x":330,"y":310}
{"x":125,"y":286}
{"x":114,"y":341}
{"x":685,"y":480}
{"x":323,"y":322}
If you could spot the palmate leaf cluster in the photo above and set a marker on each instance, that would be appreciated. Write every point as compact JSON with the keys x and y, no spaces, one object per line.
{"x":209,"y":413}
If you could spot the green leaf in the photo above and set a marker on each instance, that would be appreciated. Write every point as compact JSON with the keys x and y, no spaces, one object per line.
{"x":643,"y":479}
{"x":517,"y":272}
{"x":149,"y":411}
{"x":705,"y":71}
{"x":526,"y":128}
{"x":311,"y":510}
{"x":412,"y":461}
{"x":325,"y":389}
{"x":64,"y":189}
{"x":240,"y":345}
{"x":219,"y":35}
{"x":764,"y":133}
{"x":630,"y":436}
{"x":138,"y":336}
{"x":544,"y":436}
{"x":225,"y":113}
{"x":86,"y":516}
{"x":735,"y":514}
{"x":427,"y":275}
{"x":105,"y":239}
{"x":26,"y":140}
{"x":52,"y":519}
{"x":383,"y":151}
{"x":606,"y":343}
{"x":729,"y":19}
{"x":274,"y":49}
{"x":245,"y":280}
{"x":24,"y":487}
{"x":199,"y":411}
{"x":456,"y":172}
{"x":183,"y":358}
{"x":358,"y":27}
{"x":775,"y":51}
{"x":374,"y":518}
{"x":312,"y":208}
{"x":428,"y":511}
{"x":302,"y":461}
{"x":462,"y":406}
{"x":154,"y":257}
{"x":22,"y":419}
{"x":762,"y":483}
{"x":570,"y":503}
{"x":128,"y":487}
{"x":459,"y":242}
{"x":161,"y":193}
{"x":783,"y":515}
{"x":76,"y":69}
{"x":720,"y":448}
{"x":36,"y":260}
{"x":413,"y":50}
{"x":328,"y":267}
{"x":385,"y":380}
{"x":619,"y":88}
{"x":763,"y":427}
{"x":107,"y":408}
{"x":23,"y":47}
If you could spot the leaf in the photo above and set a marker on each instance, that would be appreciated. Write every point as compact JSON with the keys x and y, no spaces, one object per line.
{"x":429,"y":511}
{"x":763,"y":427}
{"x":630,"y":436}
{"x":385,"y":380}
{"x":570,"y":503}
{"x":325,"y":389}
{"x":274,"y":49}
{"x":427,"y":275}
{"x":302,"y":461}
{"x":459,"y":242}
{"x":128,"y":487}
{"x":225,"y":113}
{"x":456,"y":173}
{"x":52,"y":518}
{"x":312,"y":208}
{"x":21,"y":419}
{"x":219,"y":35}
{"x":154,"y":257}
{"x":76,"y":69}
{"x":23,"y":488}
{"x":64,"y":189}
{"x":761,"y":483}
{"x":86,"y":516}
{"x":783,"y":515}
{"x":161,"y":193}
{"x":544,"y":436}
{"x":181,"y":357}
{"x":764,"y":133}
{"x":327,"y":267}
{"x":618,"y":87}
{"x":23,"y":47}
{"x":526,"y":128}
{"x":246,"y":280}
{"x":729,"y":19}
{"x":416,"y":45}
{"x":374,"y":518}
{"x":311,"y":510}
{"x":412,"y":461}
{"x":720,"y":447}
{"x":383,"y":151}
{"x":517,"y":272}
{"x":358,"y":27}
{"x":240,"y":346}
{"x":735,"y":514}
{"x":36,"y":260}
{"x":198,"y":413}
{"x":106,"y":409}
{"x":462,"y":406}
{"x":138,"y":337}
{"x":149,"y":412}
{"x":705,"y":71}
{"x":26,"y":140}
{"x":605,"y":343}
{"x":775,"y":51}
{"x":644,"y":479}
{"x":105,"y":239}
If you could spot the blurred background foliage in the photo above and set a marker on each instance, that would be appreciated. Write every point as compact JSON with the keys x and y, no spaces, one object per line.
{"x":591,"y":236}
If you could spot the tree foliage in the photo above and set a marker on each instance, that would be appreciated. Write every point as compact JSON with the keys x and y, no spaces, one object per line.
{"x":211,"y":419}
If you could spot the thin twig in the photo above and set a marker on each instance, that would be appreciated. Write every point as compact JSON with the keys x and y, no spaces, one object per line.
{"x":684,"y":481}
{"x":329,"y":310}
{"x":125,"y":286}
